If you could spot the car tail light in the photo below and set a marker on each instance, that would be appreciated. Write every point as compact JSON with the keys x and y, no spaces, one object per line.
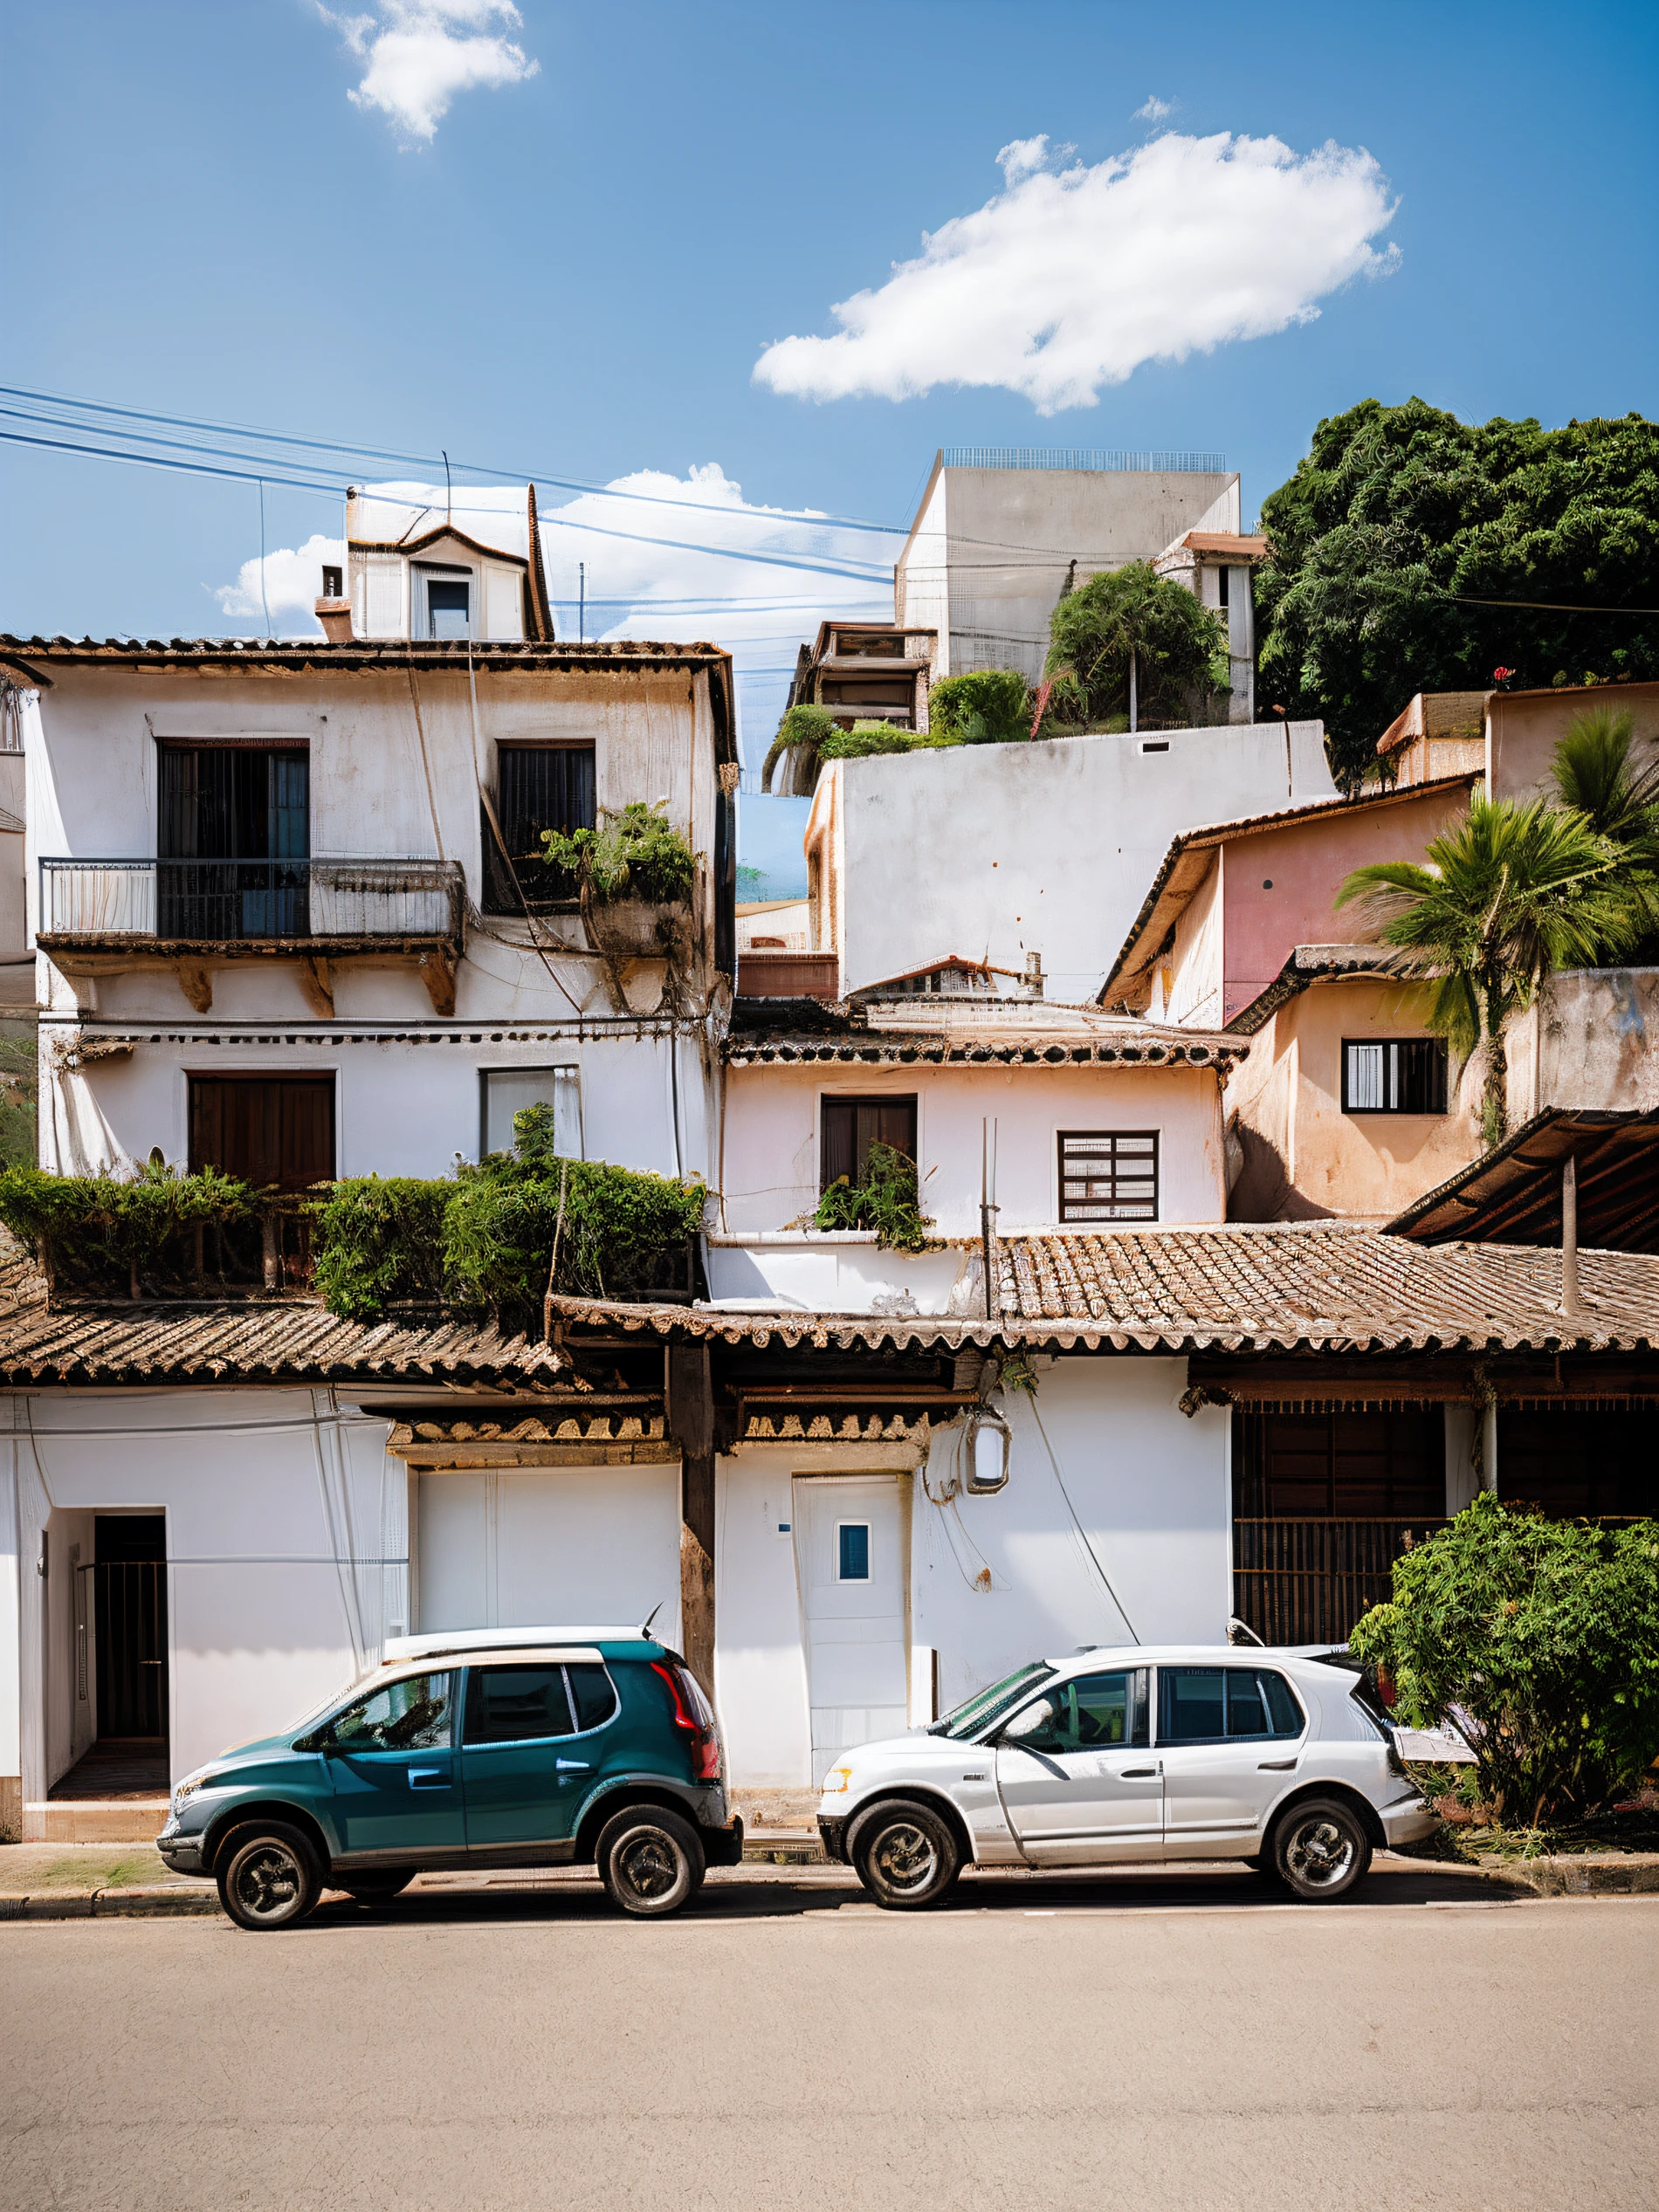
{"x":693,"y":1713}
{"x":1385,"y":1689}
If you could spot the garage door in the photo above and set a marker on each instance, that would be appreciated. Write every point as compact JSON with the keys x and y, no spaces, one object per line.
{"x":549,"y":1547}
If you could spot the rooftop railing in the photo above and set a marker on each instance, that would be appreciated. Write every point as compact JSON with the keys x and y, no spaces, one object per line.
{"x":209,"y":902}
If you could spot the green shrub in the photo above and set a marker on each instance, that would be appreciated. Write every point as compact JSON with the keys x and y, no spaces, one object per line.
{"x":988,"y":707}
{"x":378,"y":1241}
{"x":1542,"y":1639}
{"x":635,"y":853}
{"x":109,"y":1233}
{"x":866,"y":738}
{"x":1180,"y":649}
{"x":805,"y":726}
{"x":887,"y":1200}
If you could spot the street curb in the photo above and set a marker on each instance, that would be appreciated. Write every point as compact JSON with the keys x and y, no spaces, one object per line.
{"x":109,"y":1903}
{"x":1588,"y":1874}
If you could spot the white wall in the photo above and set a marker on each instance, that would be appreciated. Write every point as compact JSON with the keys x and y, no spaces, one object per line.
{"x":995,"y":851}
{"x":1150,"y":1486}
{"x":408,"y":1079}
{"x":774,"y":1117}
{"x":286,"y":1544}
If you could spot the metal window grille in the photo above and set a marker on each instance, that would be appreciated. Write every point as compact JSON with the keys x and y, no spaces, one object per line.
{"x":1394,"y":1075}
{"x":1109,"y":1174}
{"x":538,"y":787}
{"x":1091,"y":458}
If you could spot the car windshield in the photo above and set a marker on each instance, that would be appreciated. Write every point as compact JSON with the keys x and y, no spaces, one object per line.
{"x":987,"y":1706}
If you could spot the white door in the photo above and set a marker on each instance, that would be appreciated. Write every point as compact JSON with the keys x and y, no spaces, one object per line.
{"x":549,"y":1548}
{"x":849,"y":1557}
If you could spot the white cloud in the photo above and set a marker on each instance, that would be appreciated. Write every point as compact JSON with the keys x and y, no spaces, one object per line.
{"x":1154,"y":110}
{"x":421,"y":53}
{"x":292,"y":581}
{"x":1066,"y":282}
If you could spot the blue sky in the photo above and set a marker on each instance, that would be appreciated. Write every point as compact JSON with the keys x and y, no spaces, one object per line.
{"x":575,"y":268}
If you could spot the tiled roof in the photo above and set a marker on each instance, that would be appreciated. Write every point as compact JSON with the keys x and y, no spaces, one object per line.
{"x":1310,"y":964}
{"x":281,"y":1340}
{"x":32,"y":657}
{"x":1334,"y":1286}
{"x":965,"y":1029}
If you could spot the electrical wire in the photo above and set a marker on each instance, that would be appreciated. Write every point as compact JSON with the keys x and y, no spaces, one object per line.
{"x":1094,"y":1558}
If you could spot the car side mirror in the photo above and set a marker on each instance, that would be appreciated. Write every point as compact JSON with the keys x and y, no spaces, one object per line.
{"x":1034,"y":1729}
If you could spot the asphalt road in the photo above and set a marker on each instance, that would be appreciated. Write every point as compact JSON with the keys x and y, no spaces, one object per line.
{"x":1144,"y":2045}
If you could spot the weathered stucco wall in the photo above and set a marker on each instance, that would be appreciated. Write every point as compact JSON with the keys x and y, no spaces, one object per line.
{"x":1280,"y":885}
{"x":1593,"y":1042}
{"x":1524,"y":728}
{"x":1302,"y":1156}
{"x":773,"y":1119}
{"x":995,"y":851}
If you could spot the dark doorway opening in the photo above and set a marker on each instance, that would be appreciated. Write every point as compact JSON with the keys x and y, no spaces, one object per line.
{"x":272,"y":1130}
{"x":122,"y":1605}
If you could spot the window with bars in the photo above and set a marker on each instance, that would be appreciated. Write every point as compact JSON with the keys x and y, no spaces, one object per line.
{"x":538,"y":787}
{"x":1108,"y":1175}
{"x":1394,"y":1075}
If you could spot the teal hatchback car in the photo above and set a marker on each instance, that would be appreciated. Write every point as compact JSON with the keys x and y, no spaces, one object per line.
{"x":553,"y":1747}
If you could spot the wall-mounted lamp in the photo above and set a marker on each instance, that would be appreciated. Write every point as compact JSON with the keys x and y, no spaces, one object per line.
{"x":988,"y":1439}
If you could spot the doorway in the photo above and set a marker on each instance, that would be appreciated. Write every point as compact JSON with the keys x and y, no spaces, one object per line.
{"x":121,"y":1642}
{"x":852,"y":1560}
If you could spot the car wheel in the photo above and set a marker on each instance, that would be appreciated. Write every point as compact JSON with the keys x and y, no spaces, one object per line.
{"x":649,"y":1861}
{"x":373,"y":1890}
{"x":1320,"y":1850}
{"x":906,"y":1856}
{"x":269,"y":1876}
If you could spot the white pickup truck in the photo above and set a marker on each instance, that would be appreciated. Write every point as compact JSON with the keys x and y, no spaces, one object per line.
{"x":1141,"y":1754}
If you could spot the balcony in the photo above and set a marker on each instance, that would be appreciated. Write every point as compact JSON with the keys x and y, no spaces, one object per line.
{"x":107,"y":916}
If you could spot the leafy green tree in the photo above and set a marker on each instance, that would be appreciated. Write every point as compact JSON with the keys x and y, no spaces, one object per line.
{"x":1505,"y":896}
{"x":986,"y":707}
{"x":1540,"y":1639}
{"x":1177,"y":646}
{"x":1402,"y":517}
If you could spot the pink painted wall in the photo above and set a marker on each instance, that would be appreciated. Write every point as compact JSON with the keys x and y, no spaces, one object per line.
{"x":1279,"y":886}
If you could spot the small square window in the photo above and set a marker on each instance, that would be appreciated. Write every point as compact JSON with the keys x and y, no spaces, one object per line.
{"x":852,"y":1551}
{"x":507,"y":1091}
{"x":1109,"y":1174}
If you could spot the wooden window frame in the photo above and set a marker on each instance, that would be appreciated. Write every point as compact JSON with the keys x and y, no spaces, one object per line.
{"x":1116,"y":1135}
{"x":1393,"y":1048}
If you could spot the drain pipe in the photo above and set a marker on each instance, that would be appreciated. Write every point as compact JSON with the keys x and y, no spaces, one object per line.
{"x":1570,"y":1302}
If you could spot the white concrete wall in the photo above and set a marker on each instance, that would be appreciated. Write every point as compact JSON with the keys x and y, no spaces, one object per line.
{"x":384,"y":781}
{"x":773,"y":1119}
{"x":286,"y":1544}
{"x":995,"y":851}
{"x":1149,"y":1488}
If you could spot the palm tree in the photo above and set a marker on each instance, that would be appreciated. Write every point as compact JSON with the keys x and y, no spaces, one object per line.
{"x":1505,"y":896}
{"x":1594,"y":774}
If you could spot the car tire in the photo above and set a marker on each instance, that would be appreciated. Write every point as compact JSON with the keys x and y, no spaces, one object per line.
{"x":905,"y":1856}
{"x":376,"y":1890}
{"x":1320,"y":1849}
{"x":269,"y":1875}
{"x":649,"y":1861}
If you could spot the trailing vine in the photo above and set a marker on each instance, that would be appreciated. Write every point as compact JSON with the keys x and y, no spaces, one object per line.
{"x":886,"y":1199}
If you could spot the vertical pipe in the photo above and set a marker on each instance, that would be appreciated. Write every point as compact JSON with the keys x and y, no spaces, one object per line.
{"x":1570,"y":1236}
{"x":1134,"y":717}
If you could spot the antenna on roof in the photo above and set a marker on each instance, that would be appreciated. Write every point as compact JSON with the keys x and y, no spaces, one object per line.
{"x":650,"y":1617}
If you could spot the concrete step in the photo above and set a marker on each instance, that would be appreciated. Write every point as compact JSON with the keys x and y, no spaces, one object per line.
{"x":91,"y":1820}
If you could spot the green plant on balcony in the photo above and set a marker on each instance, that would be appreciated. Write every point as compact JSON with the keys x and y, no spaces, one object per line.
{"x":1134,"y":628}
{"x":635,"y":853}
{"x":1542,"y":1637}
{"x":886,"y":1198}
{"x":115,"y":1234}
{"x":494,"y":1237}
{"x":865,"y":739}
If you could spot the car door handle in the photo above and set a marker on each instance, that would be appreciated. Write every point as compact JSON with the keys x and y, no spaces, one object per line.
{"x":428,"y":1778}
{"x":571,"y":1766}
{"x":1277,"y":1766}
{"x":1136,"y":1774}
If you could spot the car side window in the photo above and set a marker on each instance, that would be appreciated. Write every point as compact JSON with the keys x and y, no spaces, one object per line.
{"x":1225,"y":1704}
{"x":411,"y":1715}
{"x":592,"y":1693}
{"x":517,"y":1704}
{"x":1093,"y":1712}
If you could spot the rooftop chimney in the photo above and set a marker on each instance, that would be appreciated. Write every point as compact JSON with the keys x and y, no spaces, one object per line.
{"x":334,"y":608}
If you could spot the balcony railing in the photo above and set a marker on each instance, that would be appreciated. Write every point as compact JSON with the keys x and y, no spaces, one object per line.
{"x":1308,"y":1581}
{"x":212,"y":902}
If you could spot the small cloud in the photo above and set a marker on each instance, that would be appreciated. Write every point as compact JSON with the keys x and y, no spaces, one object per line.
{"x":420,"y":53}
{"x":292,"y":581}
{"x":1070,"y":279}
{"x":1154,"y":110}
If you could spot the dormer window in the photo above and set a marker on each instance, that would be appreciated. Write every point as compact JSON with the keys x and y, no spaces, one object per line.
{"x":443,"y":600}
